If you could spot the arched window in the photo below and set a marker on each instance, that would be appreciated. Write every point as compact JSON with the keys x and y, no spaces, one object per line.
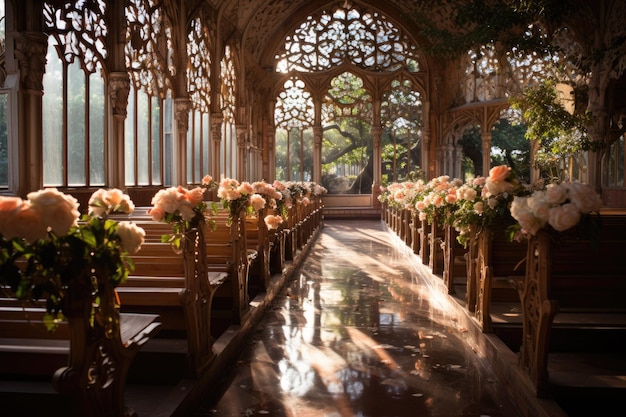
{"x":148,"y":124}
{"x":294,"y":132}
{"x":369,"y":49}
{"x":347,"y":144}
{"x":73,"y":126}
{"x":228,"y":148}
{"x":402,"y":121}
{"x":199,"y":87}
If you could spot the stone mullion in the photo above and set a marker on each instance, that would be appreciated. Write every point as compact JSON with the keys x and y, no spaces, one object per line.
{"x":30,"y":51}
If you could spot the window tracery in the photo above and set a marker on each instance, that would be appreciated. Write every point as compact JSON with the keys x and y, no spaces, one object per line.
{"x":199,"y":49}
{"x":74,"y":151}
{"x":350,"y":35}
{"x":228,"y":146}
{"x":148,"y":60}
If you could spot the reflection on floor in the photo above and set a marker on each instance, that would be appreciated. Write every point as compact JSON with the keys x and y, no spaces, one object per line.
{"x":359,"y":332}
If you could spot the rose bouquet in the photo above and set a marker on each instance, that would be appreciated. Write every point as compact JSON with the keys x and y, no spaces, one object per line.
{"x":183,"y":208}
{"x":485,"y":202}
{"x":559,"y":206}
{"x":45,"y":246}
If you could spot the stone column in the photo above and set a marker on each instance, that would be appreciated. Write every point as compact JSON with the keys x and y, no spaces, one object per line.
{"x":486,"y":142}
{"x":30,"y":51}
{"x":428,"y":170}
{"x":242,"y":153}
{"x":216,"y":140}
{"x":318,"y":133}
{"x":377,"y":134}
{"x":118,"y":88}
{"x":182,"y":106}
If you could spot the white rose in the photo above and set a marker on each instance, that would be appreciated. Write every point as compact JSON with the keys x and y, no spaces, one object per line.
{"x":564,"y":217}
{"x":556,"y":194}
{"x":584,"y":197}
{"x":131,"y":235}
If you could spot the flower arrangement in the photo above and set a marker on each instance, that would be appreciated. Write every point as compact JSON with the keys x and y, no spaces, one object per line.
{"x":560,"y":206}
{"x":485,"y":202}
{"x":46,"y":246}
{"x":183,"y":208}
{"x":438,"y":199}
{"x":239,"y":197}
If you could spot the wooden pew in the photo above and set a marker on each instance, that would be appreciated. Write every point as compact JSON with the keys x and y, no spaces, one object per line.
{"x":88,"y":366}
{"x":497,"y":262}
{"x":454,"y":259}
{"x":573,"y":303}
{"x":179,"y":286}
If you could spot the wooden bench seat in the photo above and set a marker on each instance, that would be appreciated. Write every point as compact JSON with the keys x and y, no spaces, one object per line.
{"x":87,"y":366}
{"x":168,"y":283}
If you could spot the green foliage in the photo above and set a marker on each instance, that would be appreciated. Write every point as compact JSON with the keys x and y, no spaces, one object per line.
{"x":515,"y":24}
{"x":561,"y":135}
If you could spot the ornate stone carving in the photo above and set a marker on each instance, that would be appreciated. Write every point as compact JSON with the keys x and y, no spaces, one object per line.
{"x":30,"y":52}
{"x":181,"y":112}
{"x":119,"y":88}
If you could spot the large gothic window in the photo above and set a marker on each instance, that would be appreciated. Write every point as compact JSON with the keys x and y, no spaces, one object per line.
{"x":148,"y":125}
{"x":340,"y":54}
{"x":73,"y":127}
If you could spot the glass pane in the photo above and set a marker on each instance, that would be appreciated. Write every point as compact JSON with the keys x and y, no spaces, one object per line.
{"x":76,"y":125}
{"x":53,"y":161}
{"x":96,"y":130}
{"x":129,"y":140}
{"x":281,"y":154}
{"x":4,"y":142}
{"x":156,"y":141}
{"x":143,"y":139}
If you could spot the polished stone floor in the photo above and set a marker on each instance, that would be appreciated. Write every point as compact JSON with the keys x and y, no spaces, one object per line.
{"x":357,"y":333}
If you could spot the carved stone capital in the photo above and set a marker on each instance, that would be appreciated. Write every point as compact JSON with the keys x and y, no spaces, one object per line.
{"x":30,"y":51}
{"x":216,"y":126}
{"x":119,"y":88}
{"x":181,"y":112}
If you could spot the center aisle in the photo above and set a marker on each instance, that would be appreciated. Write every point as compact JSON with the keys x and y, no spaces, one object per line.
{"x":356,"y":332}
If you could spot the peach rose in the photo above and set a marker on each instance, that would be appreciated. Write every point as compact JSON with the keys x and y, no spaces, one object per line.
{"x":273,"y":221}
{"x":257,"y":201}
{"x":499,"y":173}
{"x":8,"y":205}
{"x":27,"y":223}
{"x":59,"y":211}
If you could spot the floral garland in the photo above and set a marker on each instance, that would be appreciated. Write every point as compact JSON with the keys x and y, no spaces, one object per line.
{"x":44,"y":246}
